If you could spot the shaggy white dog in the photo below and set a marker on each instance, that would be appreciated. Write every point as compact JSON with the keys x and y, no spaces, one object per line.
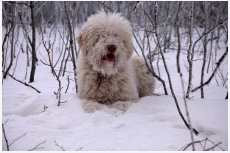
{"x":107,"y":73}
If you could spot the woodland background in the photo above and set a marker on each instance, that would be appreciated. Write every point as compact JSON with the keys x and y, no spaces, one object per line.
{"x":185,"y":42}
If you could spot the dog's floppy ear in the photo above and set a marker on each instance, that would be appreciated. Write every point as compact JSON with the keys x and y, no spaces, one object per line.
{"x":129,"y":47}
{"x":81,"y":43}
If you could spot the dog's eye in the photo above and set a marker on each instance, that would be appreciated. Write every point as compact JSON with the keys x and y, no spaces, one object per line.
{"x":115,"y":35}
{"x":97,"y":38}
{"x":101,"y":36}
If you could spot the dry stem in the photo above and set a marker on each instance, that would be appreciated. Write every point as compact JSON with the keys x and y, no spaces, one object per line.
{"x":168,"y":74}
{"x":53,"y":71}
{"x":214,"y":72}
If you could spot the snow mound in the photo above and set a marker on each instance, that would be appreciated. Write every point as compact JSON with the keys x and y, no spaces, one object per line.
{"x":152,"y":123}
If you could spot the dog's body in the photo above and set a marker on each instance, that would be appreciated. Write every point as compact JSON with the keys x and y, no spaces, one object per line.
{"x":106,"y":71}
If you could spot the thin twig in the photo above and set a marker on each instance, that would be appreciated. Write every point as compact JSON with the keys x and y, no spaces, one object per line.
{"x":214,"y":72}
{"x":28,"y":85}
{"x":153,"y":73}
{"x":187,"y":112}
{"x":70,"y":27}
{"x":79,"y":149}
{"x":17,"y":139}
{"x":4,"y":41}
{"x":211,"y":148}
{"x":188,"y":145}
{"x":214,"y":144}
{"x":110,"y":9}
{"x":56,"y":144}
{"x":167,"y":72}
{"x":67,"y":84}
{"x":52,"y":70}
{"x":203,"y":146}
{"x":37,"y":146}
{"x":12,"y":41}
{"x":4,"y":134}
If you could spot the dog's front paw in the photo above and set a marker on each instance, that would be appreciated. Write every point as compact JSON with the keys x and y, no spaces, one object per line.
{"x":121,"y":105}
{"x":91,"y":106}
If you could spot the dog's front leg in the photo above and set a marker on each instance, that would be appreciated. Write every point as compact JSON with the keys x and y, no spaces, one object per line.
{"x":121,"y":105}
{"x":91,"y":106}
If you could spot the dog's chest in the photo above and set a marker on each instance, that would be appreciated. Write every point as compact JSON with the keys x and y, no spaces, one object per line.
{"x":110,"y":89}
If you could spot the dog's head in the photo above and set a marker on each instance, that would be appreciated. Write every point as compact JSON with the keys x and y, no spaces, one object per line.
{"x":106,"y":42}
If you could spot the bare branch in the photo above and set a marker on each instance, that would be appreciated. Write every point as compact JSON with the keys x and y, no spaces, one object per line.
{"x":28,"y":85}
{"x":203,"y":146}
{"x":167,"y":72}
{"x":67,"y":84}
{"x":151,"y":70}
{"x":37,"y":146}
{"x":52,"y":70}
{"x":44,"y":63}
{"x":215,"y":144}
{"x":211,"y":148}
{"x":56,"y":144}
{"x":22,"y":3}
{"x":4,"y":41}
{"x":71,"y":46}
{"x":188,"y":145}
{"x":12,"y":41}
{"x":187,"y":112}
{"x":106,"y":6}
{"x":17,"y":139}
{"x":79,"y":149}
{"x":4,"y":134}
{"x":214,"y":72}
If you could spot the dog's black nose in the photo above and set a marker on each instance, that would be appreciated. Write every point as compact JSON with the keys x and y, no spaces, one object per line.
{"x":111,"y":48}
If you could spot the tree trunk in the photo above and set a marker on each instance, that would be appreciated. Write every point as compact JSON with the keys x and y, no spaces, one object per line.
{"x":12,"y":41}
{"x":71,"y":47}
{"x":205,"y":53}
{"x":190,"y":52}
{"x":177,"y":25}
{"x":33,"y":65}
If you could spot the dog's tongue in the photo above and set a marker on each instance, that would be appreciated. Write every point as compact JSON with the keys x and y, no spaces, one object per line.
{"x":109,"y":57}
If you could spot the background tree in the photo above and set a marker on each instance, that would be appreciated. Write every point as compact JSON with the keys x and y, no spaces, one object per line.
{"x":177,"y":21}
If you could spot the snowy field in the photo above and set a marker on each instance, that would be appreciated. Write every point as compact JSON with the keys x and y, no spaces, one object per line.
{"x":151,"y":124}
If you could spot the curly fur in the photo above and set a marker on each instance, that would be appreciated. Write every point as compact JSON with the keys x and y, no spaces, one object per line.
{"x":123,"y":80}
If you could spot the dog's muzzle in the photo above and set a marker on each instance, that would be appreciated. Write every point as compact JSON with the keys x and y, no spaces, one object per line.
{"x":110,"y":57}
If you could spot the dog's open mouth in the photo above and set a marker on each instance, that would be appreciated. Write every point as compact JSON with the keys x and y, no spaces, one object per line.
{"x":110,"y":57}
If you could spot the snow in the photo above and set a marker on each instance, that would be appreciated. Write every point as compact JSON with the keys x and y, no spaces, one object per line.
{"x":151,"y":124}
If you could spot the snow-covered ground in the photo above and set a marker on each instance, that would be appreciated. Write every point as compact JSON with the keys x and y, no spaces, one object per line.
{"x":153,"y":123}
